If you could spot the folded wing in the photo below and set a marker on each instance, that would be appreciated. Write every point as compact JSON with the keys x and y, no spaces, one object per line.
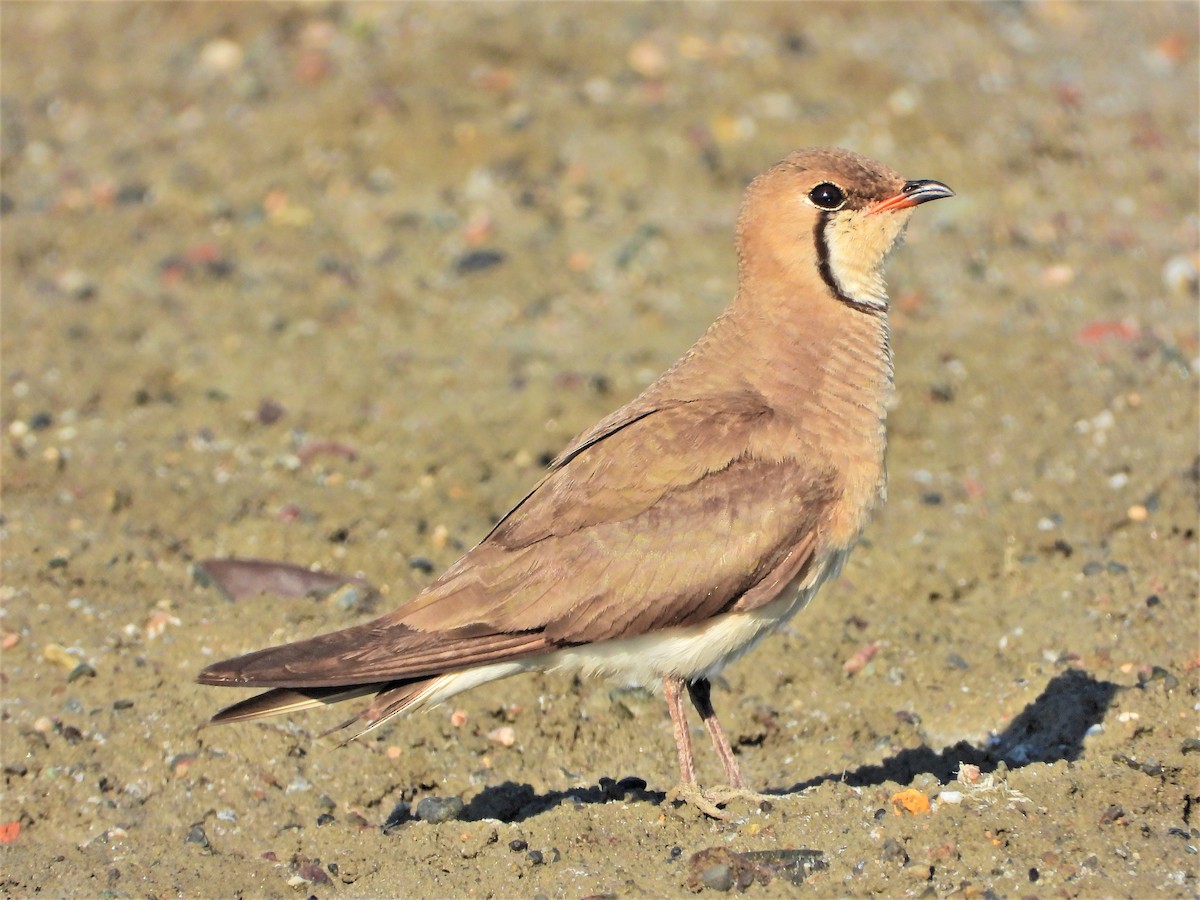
{"x":677,"y":515}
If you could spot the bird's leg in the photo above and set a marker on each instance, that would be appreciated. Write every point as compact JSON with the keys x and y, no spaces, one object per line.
{"x":688,"y":791}
{"x":701,"y":694}
{"x":701,"y":691}
{"x":673,"y":688}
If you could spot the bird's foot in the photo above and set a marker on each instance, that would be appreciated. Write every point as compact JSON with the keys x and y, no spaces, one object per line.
{"x":712,"y":801}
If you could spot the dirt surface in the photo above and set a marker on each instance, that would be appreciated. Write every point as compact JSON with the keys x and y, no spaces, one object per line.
{"x":329,"y":284}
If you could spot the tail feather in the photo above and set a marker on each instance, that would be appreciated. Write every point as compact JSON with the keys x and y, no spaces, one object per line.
{"x":386,"y":706}
{"x":391,"y":700}
{"x":280,"y":701}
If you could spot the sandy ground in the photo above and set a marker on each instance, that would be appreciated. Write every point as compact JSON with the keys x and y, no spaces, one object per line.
{"x":329,"y":283}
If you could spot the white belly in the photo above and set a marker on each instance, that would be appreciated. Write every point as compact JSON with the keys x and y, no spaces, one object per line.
{"x":697,"y":651}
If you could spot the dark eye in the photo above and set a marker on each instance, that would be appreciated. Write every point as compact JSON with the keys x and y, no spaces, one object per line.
{"x":827,"y":195}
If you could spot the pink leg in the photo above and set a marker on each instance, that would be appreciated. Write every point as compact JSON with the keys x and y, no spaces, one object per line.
{"x":673,"y":688}
{"x":700,"y":692}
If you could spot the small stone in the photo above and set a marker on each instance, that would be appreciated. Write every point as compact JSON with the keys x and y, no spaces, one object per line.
{"x":325,"y":819}
{"x":197,"y":836}
{"x":1059,"y":275}
{"x":221,"y":56}
{"x":535,"y":857}
{"x":717,"y":878}
{"x":269,"y":412}
{"x":77,"y":285}
{"x":1111,"y":815}
{"x":60,"y":656}
{"x":518,"y":845}
{"x":647,"y":58}
{"x":1158,"y":673}
{"x":71,"y":734}
{"x":132,"y":194}
{"x":478,"y":261}
{"x":1181,"y":277}
{"x":422,"y":564}
{"x":436,"y":810}
{"x":505,"y":736}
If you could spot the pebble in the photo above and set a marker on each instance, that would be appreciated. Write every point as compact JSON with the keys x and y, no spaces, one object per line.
{"x":83,"y":670}
{"x":71,"y":734}
{"x":1059,"y":275}
{"x":422,"y":564}
{"x":60,"y":656}
{"x":1112,"y":814}
{"x":968,"y":773}
{"x":478,"y":261}
{"x":435,"y":810}
{"x":505,"y":736}
{"x":221,"y":56}
{"x":1181,"y":277}
{"x":77,"y":285}
{"x":196,"y":835}
{"x":717,"y":878}
{"x":647,"y":58}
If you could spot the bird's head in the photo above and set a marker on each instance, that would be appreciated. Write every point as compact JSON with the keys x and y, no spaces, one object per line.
{"x":828,"y":218}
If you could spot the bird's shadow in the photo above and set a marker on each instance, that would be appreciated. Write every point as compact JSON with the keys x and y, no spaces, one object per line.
{"x":1051,"y":728}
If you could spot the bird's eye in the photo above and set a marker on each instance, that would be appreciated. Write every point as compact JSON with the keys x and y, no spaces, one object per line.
{"x":827,"y":195}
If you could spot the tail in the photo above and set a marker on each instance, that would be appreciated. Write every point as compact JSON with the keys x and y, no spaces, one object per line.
{"x":391,"y":699}
{"x":401,"y":666}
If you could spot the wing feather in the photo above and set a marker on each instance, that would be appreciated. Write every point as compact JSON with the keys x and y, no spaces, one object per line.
{"x":663,"y":518}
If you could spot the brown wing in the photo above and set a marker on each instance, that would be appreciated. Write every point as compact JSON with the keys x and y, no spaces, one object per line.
{"x":673,"y":517}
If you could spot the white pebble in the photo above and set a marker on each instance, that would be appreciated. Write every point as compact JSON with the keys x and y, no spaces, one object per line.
{"x":1180,"y":276}
{"x":221,"y":56}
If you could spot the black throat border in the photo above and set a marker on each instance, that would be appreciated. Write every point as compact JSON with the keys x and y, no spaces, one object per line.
{"x":826,"y":270}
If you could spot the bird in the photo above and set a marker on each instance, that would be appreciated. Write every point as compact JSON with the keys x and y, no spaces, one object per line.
{"x":670,"y":538}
